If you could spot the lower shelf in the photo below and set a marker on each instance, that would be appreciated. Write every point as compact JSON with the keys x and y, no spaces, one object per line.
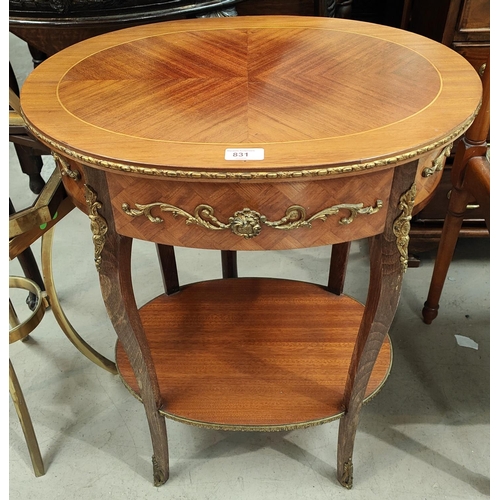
{"x":253,"y":353}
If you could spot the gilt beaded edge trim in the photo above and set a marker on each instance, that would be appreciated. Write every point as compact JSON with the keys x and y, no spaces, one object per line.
{"x":286,"y":174}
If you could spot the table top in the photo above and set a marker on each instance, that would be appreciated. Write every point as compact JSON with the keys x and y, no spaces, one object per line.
{"x":302,"y":95}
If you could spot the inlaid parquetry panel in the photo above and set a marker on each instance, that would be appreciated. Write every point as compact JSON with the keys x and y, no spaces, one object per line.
{"x":268,"y":199}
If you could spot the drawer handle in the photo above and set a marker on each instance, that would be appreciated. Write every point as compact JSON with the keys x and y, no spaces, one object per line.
{"x":248,"y":223}
{"x":438,"y":162}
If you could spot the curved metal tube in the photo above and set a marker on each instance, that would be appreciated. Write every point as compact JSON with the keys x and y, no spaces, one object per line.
{"x":61,"y":318}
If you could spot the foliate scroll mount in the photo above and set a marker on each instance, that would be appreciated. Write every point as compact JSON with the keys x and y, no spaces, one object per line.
{"x":438,"y":163}
{"x":65,"y":167}
{"x":248,"y":223}
{"x":98,"y":224}
{"x":401,"y":226}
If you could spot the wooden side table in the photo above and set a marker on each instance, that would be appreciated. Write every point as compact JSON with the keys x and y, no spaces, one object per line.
{"x":251,"y":133}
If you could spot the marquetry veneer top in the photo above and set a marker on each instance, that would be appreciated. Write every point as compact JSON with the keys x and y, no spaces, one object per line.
{"x":313,"y":93}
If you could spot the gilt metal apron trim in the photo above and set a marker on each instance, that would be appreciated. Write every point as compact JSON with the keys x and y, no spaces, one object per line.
{"x":65,"y":167}
{"x":401,"y":226}
{"x":438,"y":162}
{"x":248,"y":223}
{"x":98,"y":224}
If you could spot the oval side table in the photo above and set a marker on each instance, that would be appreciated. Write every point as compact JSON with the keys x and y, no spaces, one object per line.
{"x":252,"y":133}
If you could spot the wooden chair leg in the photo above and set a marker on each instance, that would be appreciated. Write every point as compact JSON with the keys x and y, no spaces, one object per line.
{"x":31,"y":165}
{"x":449,"y":237}
{"x":30,"y":162}
{"x":24,"y":418}
{"x":470,"y":175}
{"x":13,"y":84}
{"x":37,"y":55}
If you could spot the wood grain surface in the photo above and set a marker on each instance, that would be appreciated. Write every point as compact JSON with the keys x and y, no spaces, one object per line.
{"x":313,"y":92}
{"x":247,"y":352}
{"x":344,"y":112}
{"x":270,"y":199}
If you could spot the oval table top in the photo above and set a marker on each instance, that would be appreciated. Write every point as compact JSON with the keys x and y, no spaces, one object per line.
{"x":292,"y":96}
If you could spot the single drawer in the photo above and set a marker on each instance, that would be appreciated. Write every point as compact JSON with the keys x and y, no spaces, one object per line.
{"x":250,"y":215}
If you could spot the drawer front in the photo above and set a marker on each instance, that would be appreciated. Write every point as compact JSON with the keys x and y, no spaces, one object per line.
{"x":250,"y":216}
{"x":429,"y":172}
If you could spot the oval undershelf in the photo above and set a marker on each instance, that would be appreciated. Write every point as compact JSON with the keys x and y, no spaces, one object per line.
{"x":253,"y":353}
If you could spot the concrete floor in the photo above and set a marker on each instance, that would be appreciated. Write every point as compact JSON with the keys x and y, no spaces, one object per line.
{"x":426,"y":434}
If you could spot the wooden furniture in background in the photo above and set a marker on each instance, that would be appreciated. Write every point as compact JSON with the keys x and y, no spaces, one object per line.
{"x":387,"y":12}
{"x":277,"y":7}
{"x":29,"y":151}
{"x":470,"y":175}
{"x":48,"y":27}
{"x":463,"y":25}
{"x":213,"y":139}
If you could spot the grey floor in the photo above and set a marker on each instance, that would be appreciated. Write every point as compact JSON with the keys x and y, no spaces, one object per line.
{"x":426,"y":434}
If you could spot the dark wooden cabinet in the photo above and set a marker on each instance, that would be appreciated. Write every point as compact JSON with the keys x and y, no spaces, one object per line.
{"x":277,"y":7}
{"x":48,"y":26}
{"x":451,"y":21}
{"x":463,"y":25}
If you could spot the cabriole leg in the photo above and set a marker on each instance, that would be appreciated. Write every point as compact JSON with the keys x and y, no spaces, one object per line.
{"x":388,"y":261}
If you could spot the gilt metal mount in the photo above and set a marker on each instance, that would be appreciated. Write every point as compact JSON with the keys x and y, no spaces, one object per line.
{"x":248,"y":223}
{"x":98,"y":224}
{"x":438,"y":162}
{"x":401,"y":226}
{"x":65,"y":167}
{"x":347,"y":474}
